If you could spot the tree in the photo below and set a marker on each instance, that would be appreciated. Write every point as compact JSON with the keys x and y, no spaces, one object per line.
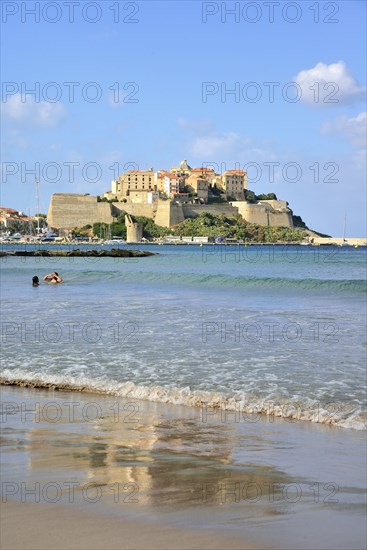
{"x":250,"y":196}
{"x":267,"y":197}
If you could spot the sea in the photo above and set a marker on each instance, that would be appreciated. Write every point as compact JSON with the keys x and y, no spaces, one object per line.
{"x":253,"y":356}
{"x":267,"y":329}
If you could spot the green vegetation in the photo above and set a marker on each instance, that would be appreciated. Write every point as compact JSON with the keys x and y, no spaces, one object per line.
{"x":250,"y":196}
{"x":150,"y":229}
{"x":26,"y":228}
{"x":267,"y":197}
{"x":116,"y":229}
{"x":216,"y":200}
{"x":104,"y":199}
{"x":298,"y":222}
{"x":253,"y":198}
{"x":209,"y":225}
{"x":204,"y":225}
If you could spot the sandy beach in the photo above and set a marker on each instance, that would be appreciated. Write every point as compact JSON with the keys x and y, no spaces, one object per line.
{"x":92,"y":471}
{"x":26,"y":526}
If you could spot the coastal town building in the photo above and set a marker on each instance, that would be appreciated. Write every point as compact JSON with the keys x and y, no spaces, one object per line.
{"x":171,"y":184}
{"x":133,"y":180}
{"x":13,"y":219}
{"x":207,"y":174}
{"x":168,"y":197}
{"x":199,"y":183}
{"x":233,"y":183}
{"x":198,"y":186}
{"x":183,"y":170}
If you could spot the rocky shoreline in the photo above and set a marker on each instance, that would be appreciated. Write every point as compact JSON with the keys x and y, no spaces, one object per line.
{"x":113,"y":253}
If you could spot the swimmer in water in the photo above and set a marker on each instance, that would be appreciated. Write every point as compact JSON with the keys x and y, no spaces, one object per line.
{"x":53,"y":277}
{"x":35,"y":281}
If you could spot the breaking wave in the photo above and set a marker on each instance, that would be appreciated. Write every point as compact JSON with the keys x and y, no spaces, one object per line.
{"x":335,"y":414}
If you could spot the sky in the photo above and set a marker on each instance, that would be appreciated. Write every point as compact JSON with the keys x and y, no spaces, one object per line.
{"x":278,"y":88}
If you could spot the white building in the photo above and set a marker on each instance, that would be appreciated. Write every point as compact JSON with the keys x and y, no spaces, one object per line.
{"x":171,"y":184}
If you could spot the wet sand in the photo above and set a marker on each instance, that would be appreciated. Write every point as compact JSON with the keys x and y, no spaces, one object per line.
{"x":94,"y":471}
{"x":41,"y":527}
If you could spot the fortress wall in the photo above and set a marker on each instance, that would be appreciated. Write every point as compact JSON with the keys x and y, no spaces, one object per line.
{"x":253,"y":213}
{"x":276,"y":205}
{"x":264,"y":214}
{"x":135,"y":209}
{"x":193,"y":210}
{"x":280,"y":219}
{"x":104,"y":213}
{"x":177,"y":214}
{"x":169,"y":214}
{"x":69,"y":210}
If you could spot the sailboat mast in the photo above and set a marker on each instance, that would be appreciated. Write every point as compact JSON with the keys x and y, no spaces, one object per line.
{"x":38,"y":206}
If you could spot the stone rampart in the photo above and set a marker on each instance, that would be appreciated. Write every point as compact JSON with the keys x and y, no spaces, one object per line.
{"x":253,"y":213}
{"x":135,"y":209}
{"x":273,"y":213}
{"x":194,"y":210}
{"x":280,"y":219}
{"x":69,"y":210}
{"x":169,"y":214}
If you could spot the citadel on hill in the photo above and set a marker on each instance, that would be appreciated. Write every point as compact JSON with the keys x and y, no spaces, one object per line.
{"x":168,"y":198}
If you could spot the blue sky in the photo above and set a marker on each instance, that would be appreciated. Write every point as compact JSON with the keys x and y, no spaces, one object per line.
{"x":151,"y":85}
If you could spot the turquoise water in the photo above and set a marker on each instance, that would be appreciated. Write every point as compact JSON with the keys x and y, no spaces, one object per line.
{"x":264,"y":329}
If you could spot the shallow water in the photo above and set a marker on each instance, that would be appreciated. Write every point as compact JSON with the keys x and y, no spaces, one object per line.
{"x":271,"y":329}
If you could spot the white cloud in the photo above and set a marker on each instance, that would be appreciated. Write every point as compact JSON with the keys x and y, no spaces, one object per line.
{"x":328,"y":85}
{"x":224,"y":150}
{"x":353,"y":129}
{"x":208,"y":144}
{"x":43,"y":113}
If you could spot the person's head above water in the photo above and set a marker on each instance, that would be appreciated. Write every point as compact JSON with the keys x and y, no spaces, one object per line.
{"x":53,"y":277}
{"x":35,"y":281}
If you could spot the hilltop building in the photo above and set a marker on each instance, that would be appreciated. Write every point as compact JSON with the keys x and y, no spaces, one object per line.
{"x":198,"y":183}
{"x":133,"y":180}
{"x":234,"y":183}
{"x":168,"y":197}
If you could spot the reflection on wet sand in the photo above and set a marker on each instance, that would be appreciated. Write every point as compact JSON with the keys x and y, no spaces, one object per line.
{"x":164,"y":461}
{"x":267,"y":480}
